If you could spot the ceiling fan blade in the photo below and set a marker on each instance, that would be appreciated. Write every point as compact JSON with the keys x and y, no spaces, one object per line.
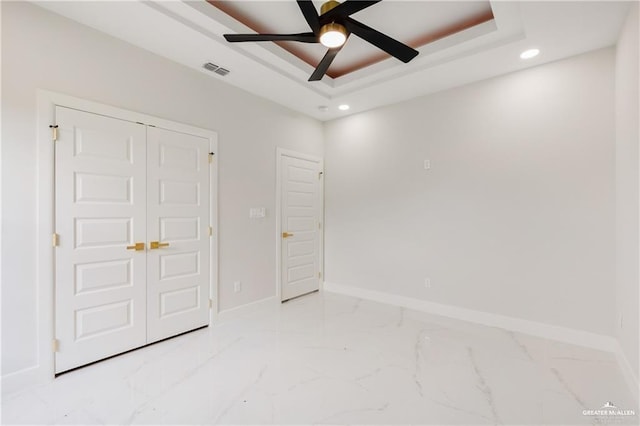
{"x":391,"y":46}
{"x":324,"y":64}
{"x":310,"y":14}
{"x":303,"y":37}
{"x":349,"y":7}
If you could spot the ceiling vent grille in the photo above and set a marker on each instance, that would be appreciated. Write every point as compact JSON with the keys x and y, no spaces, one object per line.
{"x":216,"y":69}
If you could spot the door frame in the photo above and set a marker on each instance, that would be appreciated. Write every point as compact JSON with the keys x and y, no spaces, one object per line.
{"x":45,"y":260}
{"x":280,"y":153}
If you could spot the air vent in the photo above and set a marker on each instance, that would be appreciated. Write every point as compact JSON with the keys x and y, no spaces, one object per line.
{"x":215,"y":68}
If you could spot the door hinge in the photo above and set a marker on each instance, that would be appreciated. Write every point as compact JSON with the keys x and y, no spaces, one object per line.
{"x":320,"y":175}
{"x":211,"y":154}
{"x":210,"y":303}
{"x":55,"y":239}
{"x":210,"y":230}
{"x":54,"y":132}
{"x":319,"y":274}
{"x":319,"y":225}
{"x":55,"y":345}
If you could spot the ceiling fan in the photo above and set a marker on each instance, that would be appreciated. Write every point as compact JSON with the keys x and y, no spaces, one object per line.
{"x":332,"y":28}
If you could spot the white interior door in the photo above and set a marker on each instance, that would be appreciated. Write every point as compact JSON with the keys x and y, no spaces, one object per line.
{"x":178,"y":221}
{"x":100,"y":290}
{"x":133,"y":258}
{"x":301,"y":212}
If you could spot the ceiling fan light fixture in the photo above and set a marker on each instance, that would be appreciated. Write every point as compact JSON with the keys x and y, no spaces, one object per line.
{"x":333,"y":35}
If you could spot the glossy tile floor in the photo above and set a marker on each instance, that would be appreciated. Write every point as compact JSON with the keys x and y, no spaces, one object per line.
{"x":332,"y":359}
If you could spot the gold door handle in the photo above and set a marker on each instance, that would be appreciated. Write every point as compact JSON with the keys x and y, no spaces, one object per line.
{"x":157,"y":244}
{"x":136,"y":247}
{"x":286,"y":235}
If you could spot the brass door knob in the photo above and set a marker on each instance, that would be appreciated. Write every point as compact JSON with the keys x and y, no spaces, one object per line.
{"x":157,"y":244}
{"x":136,"y":247}
{"x":286,"y":235}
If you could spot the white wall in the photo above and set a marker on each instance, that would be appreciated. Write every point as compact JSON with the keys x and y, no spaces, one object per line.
{"x":627,"y":188}
{"x":515,"y":216}
{"x":43,"y":50}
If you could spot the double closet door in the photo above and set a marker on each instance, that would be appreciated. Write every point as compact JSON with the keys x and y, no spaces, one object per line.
{"x":132,"y":260}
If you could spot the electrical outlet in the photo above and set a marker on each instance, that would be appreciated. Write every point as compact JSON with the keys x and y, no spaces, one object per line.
{"x":427,"y":283}
{"x":427,"y":164}
{"x":237,"y":287}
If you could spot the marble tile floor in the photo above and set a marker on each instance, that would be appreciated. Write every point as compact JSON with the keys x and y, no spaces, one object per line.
{"x":332,"y":359}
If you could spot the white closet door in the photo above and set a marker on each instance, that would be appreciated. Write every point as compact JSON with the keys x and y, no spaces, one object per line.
{"x":178,"y":220}
{"x":301,"y":212}
{"x":100,"y":210}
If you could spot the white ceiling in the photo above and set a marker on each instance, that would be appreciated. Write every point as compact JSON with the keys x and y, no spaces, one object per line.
{"x":190,"y":33}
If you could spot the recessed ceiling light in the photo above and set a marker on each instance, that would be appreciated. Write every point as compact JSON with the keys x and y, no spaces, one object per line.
{"x":343,"y":107}
{"x":528,"y":54}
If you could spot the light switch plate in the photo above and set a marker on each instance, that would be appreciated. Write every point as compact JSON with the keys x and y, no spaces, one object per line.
{"x":257,"y":212}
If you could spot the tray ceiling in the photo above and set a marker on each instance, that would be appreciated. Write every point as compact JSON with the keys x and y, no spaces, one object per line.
{"x":459,"y":42}
{"x":413,"y":23}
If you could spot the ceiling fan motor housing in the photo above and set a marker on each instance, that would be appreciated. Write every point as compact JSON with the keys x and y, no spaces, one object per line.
{"x":327,"y":6}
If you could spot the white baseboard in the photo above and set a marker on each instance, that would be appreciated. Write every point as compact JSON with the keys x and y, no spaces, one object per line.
{"x":233,"y":313}
{"x":628,"y":372}
{"x":23,"y":379}
{"x":538,"y":329}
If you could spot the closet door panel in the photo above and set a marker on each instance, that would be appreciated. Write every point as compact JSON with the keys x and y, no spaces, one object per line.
{"x":178,"y":231}
{"x":100,"y":285}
